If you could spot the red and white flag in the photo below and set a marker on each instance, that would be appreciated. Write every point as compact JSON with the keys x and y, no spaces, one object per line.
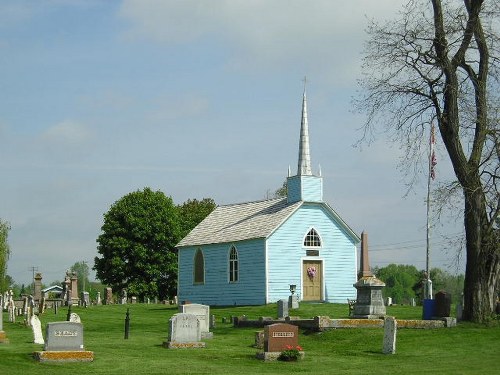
{"x":432,"y":161}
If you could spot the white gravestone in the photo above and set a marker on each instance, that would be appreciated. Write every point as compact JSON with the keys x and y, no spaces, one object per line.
{"x":184,"y":332}
{"x":36,"y":326}
{"x":390,"y":329}
{"x":74,"y":318}
{"x":202,"y":312}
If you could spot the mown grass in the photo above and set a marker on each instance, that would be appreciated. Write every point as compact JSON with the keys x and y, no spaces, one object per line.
{"x":466,"y":349}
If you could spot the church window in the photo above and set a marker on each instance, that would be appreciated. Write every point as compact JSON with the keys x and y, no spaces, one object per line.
{"x":312,"y":239}
{"x":199,"y":267}
{"x":233,"y":265}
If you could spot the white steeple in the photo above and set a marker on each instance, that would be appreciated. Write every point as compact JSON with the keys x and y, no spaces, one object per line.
{"x":304,"y":186}
{"x":304,"y":164}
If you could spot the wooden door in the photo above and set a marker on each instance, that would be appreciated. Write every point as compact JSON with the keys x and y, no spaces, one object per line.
{"x":312,"y":277}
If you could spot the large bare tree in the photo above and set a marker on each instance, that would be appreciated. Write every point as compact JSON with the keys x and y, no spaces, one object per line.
{"x":438,"y":62}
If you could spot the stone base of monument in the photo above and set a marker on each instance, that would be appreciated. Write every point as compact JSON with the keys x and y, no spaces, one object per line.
{"x":273,"y":356}
{"x":3,"y":338}
{"x":64,"y":356}
{"x":183,"y":345}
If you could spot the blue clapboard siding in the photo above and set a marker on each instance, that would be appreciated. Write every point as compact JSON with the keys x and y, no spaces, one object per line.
{"x":286,"y":253}
{"x":306,"y":188}
{"x":217,"y":290}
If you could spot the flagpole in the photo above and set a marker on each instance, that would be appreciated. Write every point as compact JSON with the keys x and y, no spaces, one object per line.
{"x":428,"y":282}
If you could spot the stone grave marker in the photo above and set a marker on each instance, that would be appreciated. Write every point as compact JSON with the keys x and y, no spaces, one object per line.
{"x":3,"y":336}
{"x":278,"y":337}
{"x":184,"y":332}
{"x":202,"y":312}
{"x":108,"y":293}
{"x":74,"y":318}
{"x":390,"y":329}
{"x":98,"y":299}
{"x":64,"y":336}
{"x":85,"y":298}
{"x":442,"y":305}
{"x":64,"y":343}
{"x":36,"y":326}
{"x":282,"y":309}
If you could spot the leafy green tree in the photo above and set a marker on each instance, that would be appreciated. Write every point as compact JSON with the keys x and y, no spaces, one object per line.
{"x":193,"y":211}
{"x":439,"y":62}
{"x":282,"y":191}
{"x":137,"y":245}
{"x":399,"y":281}
{"x":4,"y":254}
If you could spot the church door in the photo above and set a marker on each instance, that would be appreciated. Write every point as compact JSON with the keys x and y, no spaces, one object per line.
{"x":312,"y":278}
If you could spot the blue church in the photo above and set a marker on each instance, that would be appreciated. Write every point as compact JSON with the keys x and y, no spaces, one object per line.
{"x":251,"y":253}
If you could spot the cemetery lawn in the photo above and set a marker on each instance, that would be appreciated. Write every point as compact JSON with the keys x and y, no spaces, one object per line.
{"x":465,"y":349}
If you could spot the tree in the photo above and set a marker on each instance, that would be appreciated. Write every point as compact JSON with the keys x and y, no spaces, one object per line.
{"x":137,"y":245}
{"x":4,"y":253}
{"x":440,"y":63}
{"x":81,"y":269}
{"x":399,"y":281}
{"x":192,"y":212}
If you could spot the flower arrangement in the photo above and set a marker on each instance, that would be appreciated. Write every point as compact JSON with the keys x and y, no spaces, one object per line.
{"x":290,"y":353}
{"x":311,"y":272}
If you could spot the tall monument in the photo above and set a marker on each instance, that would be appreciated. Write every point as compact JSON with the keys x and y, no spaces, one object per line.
{"x":369,"y":301}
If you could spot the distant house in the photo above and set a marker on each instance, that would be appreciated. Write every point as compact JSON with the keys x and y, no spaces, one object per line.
{"x":250,"y":253}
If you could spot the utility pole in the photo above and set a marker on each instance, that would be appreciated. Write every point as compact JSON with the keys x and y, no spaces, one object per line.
{"x":33,"y":269}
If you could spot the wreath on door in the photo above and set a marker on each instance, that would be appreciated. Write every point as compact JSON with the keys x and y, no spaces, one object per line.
{"x":311,"y":272}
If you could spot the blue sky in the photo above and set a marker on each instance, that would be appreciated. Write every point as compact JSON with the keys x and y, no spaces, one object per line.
{"x":196,"y":99}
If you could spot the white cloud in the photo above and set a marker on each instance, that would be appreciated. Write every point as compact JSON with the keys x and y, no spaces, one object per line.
{"x":321,"y":36}
{"x":66,"y":132}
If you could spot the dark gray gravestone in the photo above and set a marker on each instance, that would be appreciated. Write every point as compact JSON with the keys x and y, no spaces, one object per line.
{"x":64,"y":336}
{"x":442,"y":305}
{"x":282,"y":308}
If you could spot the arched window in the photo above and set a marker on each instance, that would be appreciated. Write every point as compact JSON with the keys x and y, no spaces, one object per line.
{"x":312,"y":239}
{"x":233,"y":265}
{"x":199,"y":267}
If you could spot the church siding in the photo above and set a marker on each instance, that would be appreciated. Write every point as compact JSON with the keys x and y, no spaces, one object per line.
{"x":286,"y":253}
{"x":217,"y":290}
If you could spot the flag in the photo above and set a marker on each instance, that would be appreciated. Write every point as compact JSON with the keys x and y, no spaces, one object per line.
{"x":432,"y":161}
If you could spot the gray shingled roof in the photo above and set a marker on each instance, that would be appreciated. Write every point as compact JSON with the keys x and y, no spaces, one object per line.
{"x":243,"y":221}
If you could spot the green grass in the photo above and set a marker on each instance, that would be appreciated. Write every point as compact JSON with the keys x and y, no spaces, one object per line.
{"x":466,"y":349}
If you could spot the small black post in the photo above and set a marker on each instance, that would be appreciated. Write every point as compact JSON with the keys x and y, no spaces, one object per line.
{"x":127,"y":324}
{"x":69,"y":313}
{"x":56,"y":305}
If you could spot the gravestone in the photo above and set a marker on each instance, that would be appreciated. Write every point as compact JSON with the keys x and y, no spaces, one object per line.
{"x":108,"y":293}
{"x":390,"y":329}
{"x":36,"y":326}
{"x":282,"y":309}
{"x":85,"y":298}
{"x":123,"y":297}
{"x":37,"y":282}
{"x":133,"y":299}
{"x":74,"y":289}
{"x":279,"y":337}
{"x":442,"y":304}
{"x":293,"y":302}
{"x":64,"y":343}
{"x":64,"y":336}
{"x":74,"y":318}
{"x":202,"y":312}
{"x":3,"y":335}
{"x":369,"y":301}
{"x":184,"y":332}
{"x":98,"y":299}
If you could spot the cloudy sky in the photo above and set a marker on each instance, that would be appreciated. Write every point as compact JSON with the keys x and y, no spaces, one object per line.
{"x":196,"y":99}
